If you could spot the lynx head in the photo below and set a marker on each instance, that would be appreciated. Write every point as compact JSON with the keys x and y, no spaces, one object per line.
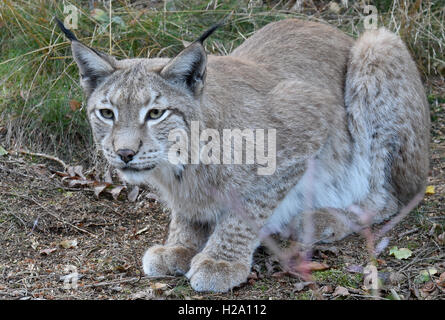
{"x":134,"y":104}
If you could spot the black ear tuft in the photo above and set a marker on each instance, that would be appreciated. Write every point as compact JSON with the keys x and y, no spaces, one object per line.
{"x":188,"y":69}
{"x":212,"y":29}
{"x":94,"y":66}
{"x":68,"y":33}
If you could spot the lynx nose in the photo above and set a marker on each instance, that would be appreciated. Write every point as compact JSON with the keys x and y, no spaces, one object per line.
{"x":126,"y":154}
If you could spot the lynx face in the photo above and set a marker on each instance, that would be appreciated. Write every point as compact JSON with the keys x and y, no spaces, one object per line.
{"x":134,"y":104}
{"x":131,"y":115}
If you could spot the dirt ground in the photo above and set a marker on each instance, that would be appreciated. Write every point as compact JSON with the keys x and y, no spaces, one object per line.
{"x":50,"y":229}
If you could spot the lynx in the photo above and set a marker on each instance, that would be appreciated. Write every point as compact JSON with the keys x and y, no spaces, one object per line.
{"x":352,"y":129}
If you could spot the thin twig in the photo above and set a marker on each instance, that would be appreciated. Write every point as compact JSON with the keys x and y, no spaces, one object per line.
{"x":41,"y":155}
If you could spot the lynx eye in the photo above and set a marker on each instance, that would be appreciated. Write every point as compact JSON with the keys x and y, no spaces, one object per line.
{"x":154,"y":114}
{"x":107,"y":113}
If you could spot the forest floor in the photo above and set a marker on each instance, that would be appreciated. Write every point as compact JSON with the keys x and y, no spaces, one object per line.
{"x":51,"y":227}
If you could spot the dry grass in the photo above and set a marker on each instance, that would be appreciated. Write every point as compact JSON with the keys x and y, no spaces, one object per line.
{"x":41,"y":102}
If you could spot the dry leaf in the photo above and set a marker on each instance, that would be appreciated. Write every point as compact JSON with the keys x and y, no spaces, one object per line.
{"x":3,"y":152}
{"x":326,"y":289}
{"x":75,"y":105}
{"x":116,"y":191}
{"x":71,"y":172}
{"x":108,"y":176}
{"x":67,"y":244}
{"x":99,"y":189}
{"x":143,"y":230}
{"x":340,"y":291}
{"x":46,"y":252}
{"x":402,"y":253}
{"x":133,"y":194}
{"x":78,"y":171}
{"x":427,"y":289}
{"x":159,"y":288}
{"x":78,"y":182}
{"x":441,"y":281}
{"x":317,"y":266}
{"x":145,"y":294}
{"x":430,"y":190}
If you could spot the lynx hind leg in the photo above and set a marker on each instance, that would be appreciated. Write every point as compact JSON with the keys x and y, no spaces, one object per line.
{"x":184,"y":242}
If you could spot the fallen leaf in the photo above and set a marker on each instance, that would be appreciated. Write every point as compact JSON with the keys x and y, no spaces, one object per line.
{"x":78,"y":182}
{"x":3,"y":152}
{"x":46,"y":252}
{"x":108,"y":176}
{"x":326,"y":289}
{"x":78,"y":170}
{"x":71,"y":172}
{"x":381,"y":262}
{"x":133,"y":194}
{"x":441,"y":281}
{"x":75,"y":105}
{"x":99,"y":189}
{"x":159,"y":288}
{"x":67,"y":244}
{"x":317,"y":266}
{"x":116,"y":191}
{"x":118,"y":20}
{"x":430,"y":190}
{"x":402,"y":253}
{"x":145,"y":294}
{"x":425,"y":275}
{"x":142,"y":230}
{"x":99,"y":15}
{"x":354,"y":268}
{"x":340,"y":291}
{"x":428,"y":289}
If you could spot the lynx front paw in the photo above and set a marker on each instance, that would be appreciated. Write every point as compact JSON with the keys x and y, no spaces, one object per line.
{"x":167,"y":260}
{"x":208,"y":274}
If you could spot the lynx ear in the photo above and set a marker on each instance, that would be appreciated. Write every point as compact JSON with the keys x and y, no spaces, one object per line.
{"x":188,"y":69}
{"x":94,"y":66}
